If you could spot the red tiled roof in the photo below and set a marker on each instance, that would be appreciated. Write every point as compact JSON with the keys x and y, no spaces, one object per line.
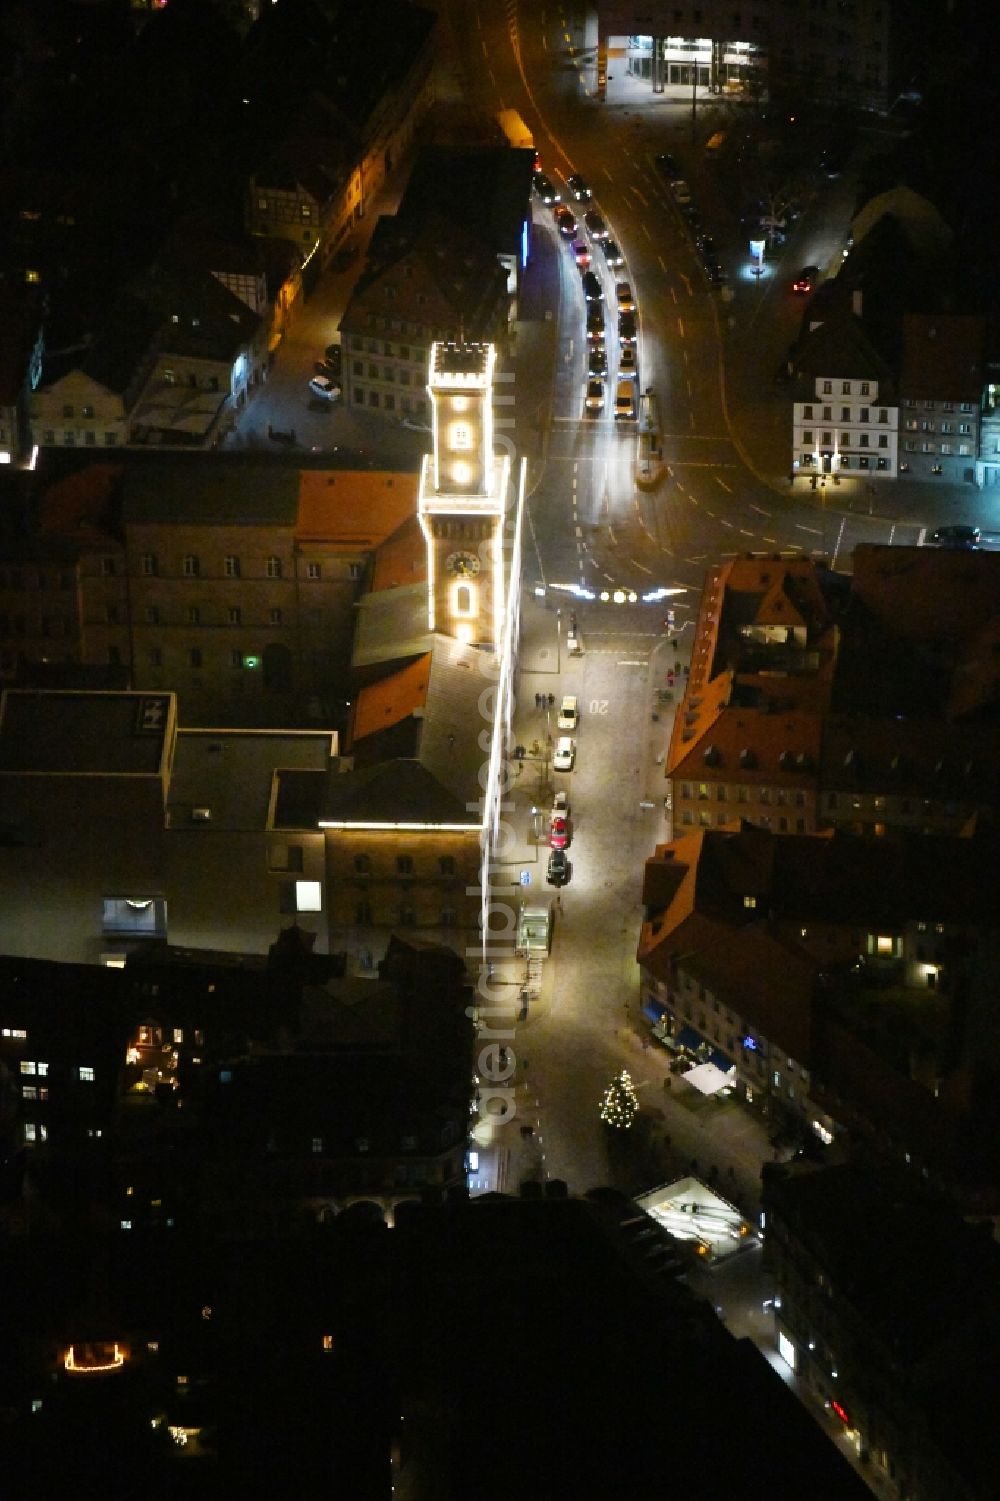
{"x":401,"y":558}
{"x":391,"y":700}
{"x":353,"y":508}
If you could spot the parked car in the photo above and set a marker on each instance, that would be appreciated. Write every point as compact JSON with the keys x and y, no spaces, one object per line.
{"x":627,"y":363}
{"x":335,"y":354}
{"x":559,"y":835}
{"x":595,"y":320}
{"x":594,"y":400}
{"x":559,"y":869}
{"x":717,"y":275}
{"x":323,"y":387}
{"x":543,"y":187}
{"x":626,"y":328}
{"x":569,"y":713}
{"x":581,"y":254}
{"x":597,"y":360}
{"x":592,"y":290}
{"x":596,"y":226}
{"x":565,"y":223}
{"x":680,"y":190}
{"x":578,"y":188}
{"x":564,"y":757}
{"x":668,"y":166}
{"x":806,"y":279}
{"x":612,"y":254}
{"x":955,"y":536}
{"x":626,"y":302}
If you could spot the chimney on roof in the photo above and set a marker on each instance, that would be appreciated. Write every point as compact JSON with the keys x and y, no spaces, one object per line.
{"x":856,"y":302}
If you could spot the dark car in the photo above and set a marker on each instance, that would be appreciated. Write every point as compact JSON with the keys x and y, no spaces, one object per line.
{"x":668,"y":166}
{"x":806,"y":279}
{"x":578,"y":188}
{"x":544,"y":189}
{"x":559,"y":868}
{"x":592,"y":287}
{"x":612,"y":254}
{"x":334,"y":353}
{"x":706,"y":248}
{"x":626,"y":328}
{"x":596,"y":227}
{"x":955,"y":536}
{"x":595,"y":320}
{"x":565,"y":223}
{"x":330,"y":369}
{"x":597,"y":361}
{"x":716,"y":274}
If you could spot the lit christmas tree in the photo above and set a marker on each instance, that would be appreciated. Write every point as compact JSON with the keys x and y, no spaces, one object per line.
{"x":620,"y":1105}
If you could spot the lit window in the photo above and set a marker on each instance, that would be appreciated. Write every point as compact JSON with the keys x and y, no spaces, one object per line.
{"x":274,"y":568}
{"x":178,"y":1034}
{"x":883,"y":944}
{"x":317,"y":1143}
{"x":328,"y":1342}
{"x":308,"y":896}
{"x":30,"y":1132}
{"x":27,"y":1066}
{"x":749,"y":901}
{"x":85,"y":1074}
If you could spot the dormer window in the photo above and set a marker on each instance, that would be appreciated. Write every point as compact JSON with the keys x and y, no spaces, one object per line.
{"x":748,"y":757}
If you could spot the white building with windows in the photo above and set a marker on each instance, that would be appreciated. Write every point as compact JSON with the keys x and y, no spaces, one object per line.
{"x":846,"y":428}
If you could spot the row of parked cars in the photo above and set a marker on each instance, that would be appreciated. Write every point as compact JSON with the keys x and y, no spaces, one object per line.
{"x":670,"y":170}
{"x":593,"y":292}
{"x":560,"y":829}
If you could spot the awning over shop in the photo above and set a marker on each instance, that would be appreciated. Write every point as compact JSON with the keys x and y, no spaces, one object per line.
{"x":653,"y":1009}
{"x":706,"y":1078}
{"x":687,"y":1037}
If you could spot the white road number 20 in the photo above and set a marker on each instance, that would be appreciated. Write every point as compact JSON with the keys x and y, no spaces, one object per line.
{"x":598,"y":706}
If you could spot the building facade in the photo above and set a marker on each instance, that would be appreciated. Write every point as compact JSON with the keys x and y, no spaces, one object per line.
{"x":941,"y":393}
{"x":846,"y":428}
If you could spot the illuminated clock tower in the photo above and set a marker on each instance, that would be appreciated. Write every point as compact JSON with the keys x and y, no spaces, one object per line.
{"x":463,"y":498}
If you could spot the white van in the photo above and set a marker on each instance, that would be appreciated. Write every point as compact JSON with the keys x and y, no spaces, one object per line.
{"x":569,"y":714}
{"x":625,"y":401}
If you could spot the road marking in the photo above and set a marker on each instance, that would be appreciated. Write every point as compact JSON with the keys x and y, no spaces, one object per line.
{"x":639,"y":566}
{"x":816,"y":531}
{"x":722,"y":482}
{"x":760,"y":511}
{"x":689,"y":389}
{"x":686,"y":283}
{"x":485,"y":52}
{"x":545,"y":43}
{"x":744,"y":532}
{"x":724,"y":522}
{"x":691,"y":418}
{"x":608,"y":175}
{"x":631,"y":663}
{"x":680,"y":327}
{"x":642,"y":200}
{"x":674,"y":296}
{"x":645,"y":230}
{"x":662,"y":262}
{"x":773,"y":541}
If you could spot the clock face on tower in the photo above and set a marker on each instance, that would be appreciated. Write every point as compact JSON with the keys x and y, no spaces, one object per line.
{"x":463,"y":565}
